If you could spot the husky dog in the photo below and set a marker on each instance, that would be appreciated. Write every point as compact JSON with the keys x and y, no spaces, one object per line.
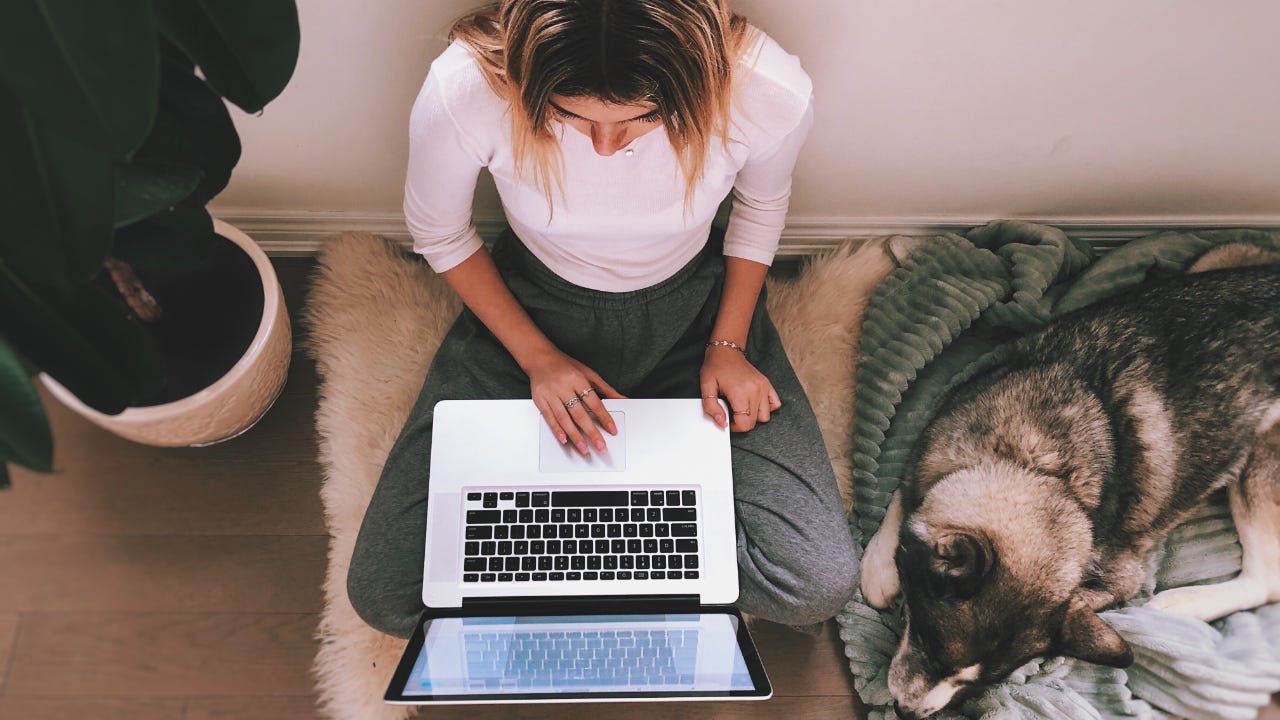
{"x":1038,"y":490}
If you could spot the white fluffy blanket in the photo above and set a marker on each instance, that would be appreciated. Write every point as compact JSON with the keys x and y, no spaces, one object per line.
{"x":375,"y":318}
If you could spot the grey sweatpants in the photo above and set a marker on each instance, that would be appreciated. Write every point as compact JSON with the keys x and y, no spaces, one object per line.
{"x":796,"y":561}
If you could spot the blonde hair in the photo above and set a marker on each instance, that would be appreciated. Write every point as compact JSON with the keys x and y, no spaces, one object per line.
{"x":676,"y":54}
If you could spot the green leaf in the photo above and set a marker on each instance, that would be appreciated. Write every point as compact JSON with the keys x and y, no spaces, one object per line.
{"x":147,"y":187}
{"x":87,"y":68}
{"x":24,"y":428}
{"x":180,"y":238}
{"x":193,"y":128}
{"x":89,"y":342}
{"x":247,"y":49}
{"x":57,"y":198}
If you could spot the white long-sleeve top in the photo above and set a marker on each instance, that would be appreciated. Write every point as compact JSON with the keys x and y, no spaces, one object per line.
{"x":622,"y":222}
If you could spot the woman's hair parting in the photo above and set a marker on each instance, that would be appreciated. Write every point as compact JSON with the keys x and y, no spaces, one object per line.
{"x":677,"y":54}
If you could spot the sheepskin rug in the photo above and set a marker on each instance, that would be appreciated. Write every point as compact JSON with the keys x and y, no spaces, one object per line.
{"x":376,"y":317}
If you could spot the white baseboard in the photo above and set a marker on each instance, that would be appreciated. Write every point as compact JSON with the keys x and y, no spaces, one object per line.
{"x":302,"y":233}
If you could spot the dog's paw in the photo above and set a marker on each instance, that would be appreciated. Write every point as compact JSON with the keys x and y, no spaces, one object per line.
{"x":1210,"y":602}
{"x":879,"y":578}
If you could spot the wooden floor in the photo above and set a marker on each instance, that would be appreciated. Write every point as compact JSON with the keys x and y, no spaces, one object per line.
{"x":149,"y":584}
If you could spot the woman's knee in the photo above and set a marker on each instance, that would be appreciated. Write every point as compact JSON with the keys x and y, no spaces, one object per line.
{"x":799,"y":588}
{"x":389,"y":605}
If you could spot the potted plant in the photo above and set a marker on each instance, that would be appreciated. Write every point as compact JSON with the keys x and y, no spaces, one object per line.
{"x":115,"y":283}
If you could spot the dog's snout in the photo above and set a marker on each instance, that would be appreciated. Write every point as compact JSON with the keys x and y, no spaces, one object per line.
{"x":903,"y":714}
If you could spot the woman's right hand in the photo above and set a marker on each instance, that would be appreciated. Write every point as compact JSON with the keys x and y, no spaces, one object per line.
{"x":556,"y":380}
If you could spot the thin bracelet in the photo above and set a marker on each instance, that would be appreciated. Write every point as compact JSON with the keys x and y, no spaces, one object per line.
{"x":727,"y":343}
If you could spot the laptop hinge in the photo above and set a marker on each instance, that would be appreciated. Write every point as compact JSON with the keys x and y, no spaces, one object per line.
{"x":589,"y":604}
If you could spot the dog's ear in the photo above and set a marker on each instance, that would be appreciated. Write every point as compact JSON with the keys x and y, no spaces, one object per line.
{"x":959,"y":564}
{"x":1086,"y":636}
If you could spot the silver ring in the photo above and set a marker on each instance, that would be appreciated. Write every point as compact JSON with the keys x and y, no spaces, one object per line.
{"x":586,"y":392}
{"x":743,"y":412}
{"x":569,"y":405}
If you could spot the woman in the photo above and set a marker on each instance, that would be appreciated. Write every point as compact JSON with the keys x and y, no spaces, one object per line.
{"x":613,"y":130}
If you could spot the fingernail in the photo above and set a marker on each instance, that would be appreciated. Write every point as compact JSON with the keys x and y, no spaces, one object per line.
{"x":582,"y":448}
{"x":561,"y":437}
{"x":601,"y":446}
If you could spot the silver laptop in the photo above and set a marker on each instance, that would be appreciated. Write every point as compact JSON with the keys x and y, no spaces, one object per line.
{"x":554,"y":577}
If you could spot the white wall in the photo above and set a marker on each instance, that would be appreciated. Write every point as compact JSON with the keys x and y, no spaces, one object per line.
{"x":1149,"y":112}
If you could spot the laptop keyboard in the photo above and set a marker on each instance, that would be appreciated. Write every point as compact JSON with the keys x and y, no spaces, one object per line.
{"x":606,"y":657}
{"x":558,"y":535}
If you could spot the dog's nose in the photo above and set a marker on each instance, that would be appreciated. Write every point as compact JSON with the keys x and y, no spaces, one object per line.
{"x":902,"y":715}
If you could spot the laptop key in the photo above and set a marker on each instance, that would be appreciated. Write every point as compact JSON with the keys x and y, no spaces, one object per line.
{"x":673,"y":497}
{"x":539,"y":577}
{"x":556,"y":576}
{"x":509,"y":516}
{"x":611,"y":562}
{"x":528,"y":563}
{"x":541,"y":499}
{"x":570,"y":547}
{"x":679,"y":514}
{"x":597,"y":531}
{"x":491,"y":499}
{"x":577,"y":562}
{"x":488,"y":577}
{"x":470,"y":577}
{"x":479,"y":532}
{"x":658,"y":575}
{"x":482,"y":517}
{"x":641,"y":575}
{"x":675,"y":562}
{"x":674,"y":574}
{"x":505,"y":577}
{"x":690,"y":574}
{"x":686,"y":546}
{"x":522,"y":577}
{"x":630,"y":530}
{"x":602,"y":547}
{"x":690,"y":561}
{"x":637,"y":515}
{"x":684,"y":530}
{"x":606,"y":576}
{"x":573,"y":576}
{"x":606,"y":515}
{"x":624,"y":575}
{"x":646,"y":530}
{"x":656,"y":497}
{"x":613,"y":530}
{"x":475,"y":565}
{"x":501,"y":532}
{"x":638,"y":497}
{"x":495,"y":564}
{"x":488,"y":547}
{"x":557,"y":515}
{"x":473,"y":497}
{"x":590,"y":576}
{"x":504,"y":547}
{"x":659,"y":562}
{"x":506,"y":496}
{"x":471,"y":548}
{"x":522,"y":499}
{"x":651,"y":546}
{"x":687,"y":498}
{"x":517,"y":532}
{"x":662,"y":529}
{"x":668,"y":546}
{"x":582,"y":531}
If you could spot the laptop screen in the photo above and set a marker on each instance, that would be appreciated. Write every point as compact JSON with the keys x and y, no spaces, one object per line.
{"x":564,"y":657}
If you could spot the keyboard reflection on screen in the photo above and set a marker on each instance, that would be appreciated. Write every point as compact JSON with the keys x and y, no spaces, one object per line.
{"x":529,"y":661}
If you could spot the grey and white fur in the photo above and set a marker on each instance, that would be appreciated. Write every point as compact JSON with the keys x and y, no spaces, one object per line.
{"x":1039,"y":489}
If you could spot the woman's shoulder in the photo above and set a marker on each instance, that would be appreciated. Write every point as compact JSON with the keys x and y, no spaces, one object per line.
{"x":457,"y":79}
{"x":774,"y":91}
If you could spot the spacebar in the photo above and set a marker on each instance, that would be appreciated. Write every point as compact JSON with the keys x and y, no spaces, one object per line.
{"x":589,"y":498}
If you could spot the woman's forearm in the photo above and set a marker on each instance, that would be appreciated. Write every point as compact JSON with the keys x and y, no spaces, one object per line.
{"x":477,"y":282}
{"x":742,"y":283}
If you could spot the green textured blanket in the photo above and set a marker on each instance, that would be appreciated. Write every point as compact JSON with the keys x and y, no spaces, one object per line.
{"x":943,"y":316}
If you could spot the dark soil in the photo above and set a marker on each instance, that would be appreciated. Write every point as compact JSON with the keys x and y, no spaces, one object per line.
{"x":211,"y":314}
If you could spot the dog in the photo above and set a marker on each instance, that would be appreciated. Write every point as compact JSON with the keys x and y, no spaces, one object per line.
{"x":1036,"y":493}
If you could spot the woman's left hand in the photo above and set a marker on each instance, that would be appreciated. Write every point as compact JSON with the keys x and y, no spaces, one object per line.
{"x":727,"y":372}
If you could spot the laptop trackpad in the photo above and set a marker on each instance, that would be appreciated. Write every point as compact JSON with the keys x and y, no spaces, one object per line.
{"x":554,"y":457}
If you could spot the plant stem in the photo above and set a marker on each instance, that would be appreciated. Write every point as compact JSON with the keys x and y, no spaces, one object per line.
{"x":129,"y":285}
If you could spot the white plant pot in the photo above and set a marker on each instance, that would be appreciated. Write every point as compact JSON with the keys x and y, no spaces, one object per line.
{"x":232,"y":404}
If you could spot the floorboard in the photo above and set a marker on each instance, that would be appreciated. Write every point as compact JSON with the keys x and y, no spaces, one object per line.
{"x":60,"y":708}
{"x":163,"y":655}
{"x":159,"y":573}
